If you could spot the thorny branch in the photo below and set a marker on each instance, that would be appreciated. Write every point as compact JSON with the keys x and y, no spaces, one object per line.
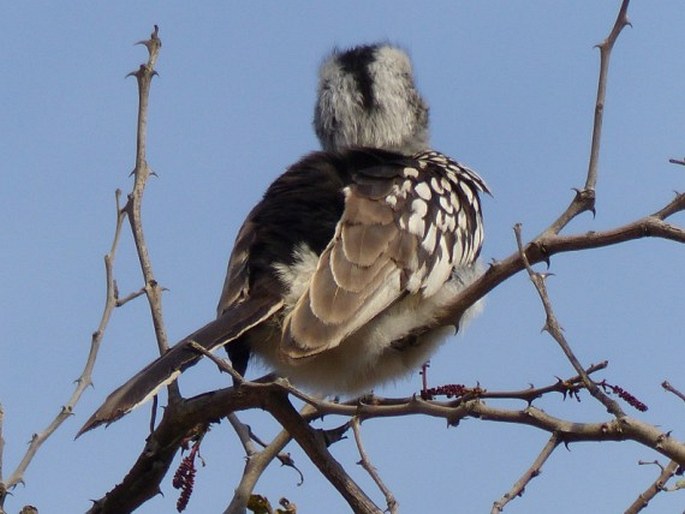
{"x":668,"y":387}
{"x":544,"y":247}
{"x":585,"y":198}
{"x":84,"y":380}
{"x":365,"y":462}
{"x":655,"y":488}
{"x":605,"y":48}
{"x":315,"y":447}
{"x":534,"y":470}
{"x":255,"y":466}
{"x":257,"y":461}
{"x":554,"y":329}
{"x":141,"y":173}
{"x":142,"y":482}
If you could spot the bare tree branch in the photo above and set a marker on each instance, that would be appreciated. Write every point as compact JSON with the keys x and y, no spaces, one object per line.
{"x":142,"y":482}
{"x":141,"y":173}
{"x":314,"y":446}
{"x":244,"y":434}
{"x":129,"y":297}
{"x":544,"y":247}
{"x":222,"y":364}
{"x":605,"y":48}
{"x":585,"y":198}
{"x":85,"y":379}
{"x":256,"y":463}
{"x":554,"y":329}
{"x":365,"y":462}
{"x":655,"y":488}
{"x":533,"y":471}
{"x":668,"y":387}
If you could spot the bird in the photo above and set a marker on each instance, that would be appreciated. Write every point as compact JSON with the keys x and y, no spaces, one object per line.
{"x":339,"y":275}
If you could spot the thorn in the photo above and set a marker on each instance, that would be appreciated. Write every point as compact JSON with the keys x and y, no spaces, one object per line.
{"x":153,"y":42}
{"x":136,"y":73}
{"x":543,"y":253}
{"x":454,"y":423}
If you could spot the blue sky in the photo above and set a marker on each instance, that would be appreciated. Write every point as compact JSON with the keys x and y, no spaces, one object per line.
{"x":511,"y":87}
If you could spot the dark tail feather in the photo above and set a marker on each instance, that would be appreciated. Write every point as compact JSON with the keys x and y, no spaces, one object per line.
{"x":145,"y":384}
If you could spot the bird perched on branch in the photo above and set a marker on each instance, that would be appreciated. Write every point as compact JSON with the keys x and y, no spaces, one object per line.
{"x":338,"y":275}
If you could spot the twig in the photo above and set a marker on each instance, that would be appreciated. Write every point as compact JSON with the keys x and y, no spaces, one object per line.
{"x":565,"y":387}
{"x":221,"y":363}
{"x":85,"y":379}
{"x":545,"y":246}
{"x":244,"y":434}
{"x":605,"y":48}
{"x":141,"y":173}
{"x":257,"y":462}
{"x":585,"y":198}
{"x":314,"y":446}
{"x":554,"y":329}
{"x":655,"y":488}
{"x":142,"y":482}
{"x":365,"y":463}
{"x":533,"y":471}
{"x":129,"y":297}
{"x":668,"y":387}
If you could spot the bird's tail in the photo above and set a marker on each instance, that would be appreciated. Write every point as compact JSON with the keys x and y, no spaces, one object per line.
{"x":144,"y":385}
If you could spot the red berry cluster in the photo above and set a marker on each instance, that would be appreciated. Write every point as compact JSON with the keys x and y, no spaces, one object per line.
{"x":448,"y":390}
{"x":623,"y":395}
{"x":184,"y":478}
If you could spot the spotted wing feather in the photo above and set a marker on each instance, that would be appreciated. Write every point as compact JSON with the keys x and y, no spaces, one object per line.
{"x":403,"y":229}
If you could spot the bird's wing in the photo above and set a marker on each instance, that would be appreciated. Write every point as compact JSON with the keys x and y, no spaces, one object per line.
{"x":405,"y":225}
{"x":145,"y":384}
{"x":303,"y":203}
{"x":239,"y":310}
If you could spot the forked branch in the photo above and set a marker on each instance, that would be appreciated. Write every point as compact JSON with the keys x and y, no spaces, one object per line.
{"x":84,"y":380}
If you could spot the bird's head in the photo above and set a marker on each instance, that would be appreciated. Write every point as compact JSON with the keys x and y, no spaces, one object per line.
{"x":368,"y":98}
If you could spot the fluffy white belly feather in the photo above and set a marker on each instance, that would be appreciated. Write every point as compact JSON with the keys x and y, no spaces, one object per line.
{"x":383,"y":350}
